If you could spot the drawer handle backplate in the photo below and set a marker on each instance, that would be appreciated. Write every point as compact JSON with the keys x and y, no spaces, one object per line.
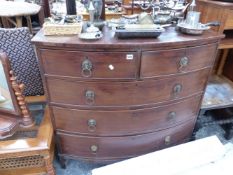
{"x":167,"y":140}
{"x":91,"y":125}
{"x":90,"y":97}
{"x":176,"y":90}
{"x":183,"y":63}
{"x":171,"y":115}
{"x":94,"y":148}
{"x":87,"y":68}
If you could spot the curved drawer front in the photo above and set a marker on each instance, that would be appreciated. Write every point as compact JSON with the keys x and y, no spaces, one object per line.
{"x":168,"y":62}
{"x":90,"y":65}
{"x":123,"y":147}
{"x":121,"y":94}
{"x":128,"y":122}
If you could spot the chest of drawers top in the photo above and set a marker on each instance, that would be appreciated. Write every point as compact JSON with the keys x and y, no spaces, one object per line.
{"x":167,"y":40}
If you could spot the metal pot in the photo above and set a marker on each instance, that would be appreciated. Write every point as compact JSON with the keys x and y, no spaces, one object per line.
{"x":163,"y":17}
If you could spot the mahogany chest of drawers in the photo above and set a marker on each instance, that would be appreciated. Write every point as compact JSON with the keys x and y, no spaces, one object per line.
{"x":114,"y":99}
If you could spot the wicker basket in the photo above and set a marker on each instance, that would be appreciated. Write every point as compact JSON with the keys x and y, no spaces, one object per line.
{"x":62,"y":29}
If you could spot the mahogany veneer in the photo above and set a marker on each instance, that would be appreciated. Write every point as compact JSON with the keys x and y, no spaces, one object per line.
{"x":113,"y":99}
{"x":126,"y":94}
{"x":117,"y":123}
{"x":56,"y":60}
{"x":123,"y":147}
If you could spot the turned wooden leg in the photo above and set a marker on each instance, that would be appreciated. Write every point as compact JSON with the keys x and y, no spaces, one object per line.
{"x":27,"y":120}
{"x":49,"y":166}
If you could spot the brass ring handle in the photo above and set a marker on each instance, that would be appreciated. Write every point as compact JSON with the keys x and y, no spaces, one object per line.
{"x":94,"y":148}
{"x":171,"y":115}
{"x":90,"y":97}
{"x":91,"y":125}
{"x":87,"y":68}
{"x":184,"y":61}
{"x":167,"y":140}
{"x":176,"y":90}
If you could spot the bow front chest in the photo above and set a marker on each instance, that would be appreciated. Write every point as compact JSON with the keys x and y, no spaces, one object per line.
{"x":114,"y":99}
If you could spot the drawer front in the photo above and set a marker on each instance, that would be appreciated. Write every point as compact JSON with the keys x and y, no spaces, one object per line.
{"x":91,"y":65}
{"x":123,"y":147}
{"x":168,"y":62}
{"x":122,"y":94}
{"x":128,"y":122}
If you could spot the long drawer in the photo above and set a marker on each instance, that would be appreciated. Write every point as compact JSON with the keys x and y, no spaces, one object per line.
{"x":128,"y":122}
{"x":121,"y":94}
{"x":90,"y":65}
{"x":123,"y":147}
{"x":169,"y":62}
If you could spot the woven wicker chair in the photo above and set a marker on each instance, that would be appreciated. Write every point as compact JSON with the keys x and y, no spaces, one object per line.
{"x":29,"y":151}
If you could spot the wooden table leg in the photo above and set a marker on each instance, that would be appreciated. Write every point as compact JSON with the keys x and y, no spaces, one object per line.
{"x":19,"y":21}
{"x":49,"y":165}
{"x":222,"y":61}
{"x":5,"y":22}
{"x":29,"y":23}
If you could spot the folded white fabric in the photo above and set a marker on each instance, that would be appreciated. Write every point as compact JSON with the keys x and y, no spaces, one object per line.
{"x":185,"y":159}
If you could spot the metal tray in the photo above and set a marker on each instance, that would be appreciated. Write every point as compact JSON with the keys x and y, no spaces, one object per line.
{"x":123,"y":33}
{"x":196,"y":31}
{"x":192,"y":31}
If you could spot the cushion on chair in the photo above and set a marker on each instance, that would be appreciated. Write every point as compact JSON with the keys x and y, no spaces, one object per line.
{"x":16,"y":43}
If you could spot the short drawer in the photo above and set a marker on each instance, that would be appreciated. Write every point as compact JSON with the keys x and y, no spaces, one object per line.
{"x":122,"y":94}
{"x":128,"y":122}
{"x":90,"y":65}
{"x":123,"y":147}
{"x":168,"y":62}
